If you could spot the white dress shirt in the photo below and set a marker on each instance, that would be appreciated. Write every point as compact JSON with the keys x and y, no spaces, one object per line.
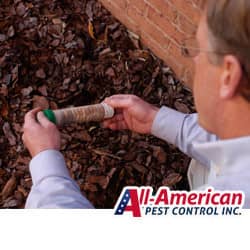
{"x":52,"y":185}
{"x":222,"y":164}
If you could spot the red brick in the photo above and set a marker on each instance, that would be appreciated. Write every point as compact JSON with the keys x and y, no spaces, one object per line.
{"x":190,"y":9}
{"x":121,"y":3}
{"x":161,"y":52}
{"x":165,"y":25}
{"x":184,"y":26}
{"x":163,"y":7}
{"x":152,"y":30}
{"x":168,"y":12}
{"x":140,"y":5}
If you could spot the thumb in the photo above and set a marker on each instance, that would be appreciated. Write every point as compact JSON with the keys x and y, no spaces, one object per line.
{"x":43,"y":120}
{"x":120,"y":101}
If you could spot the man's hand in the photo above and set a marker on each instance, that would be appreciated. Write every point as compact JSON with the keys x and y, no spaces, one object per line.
{"x":39,"y":133}
{"x":131,"y":113}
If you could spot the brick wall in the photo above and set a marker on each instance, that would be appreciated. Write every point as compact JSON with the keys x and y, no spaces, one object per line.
{"x":161,"y":26}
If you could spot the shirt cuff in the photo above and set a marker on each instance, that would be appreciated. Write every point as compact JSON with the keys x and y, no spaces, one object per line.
{"x":48,"y":163}
{"x":167,"y":124}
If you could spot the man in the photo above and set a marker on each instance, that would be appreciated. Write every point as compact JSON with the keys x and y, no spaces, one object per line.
{"x":218,"y":137}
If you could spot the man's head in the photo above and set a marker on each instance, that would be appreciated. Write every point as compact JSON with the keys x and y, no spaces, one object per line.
{"x":223,"y":64}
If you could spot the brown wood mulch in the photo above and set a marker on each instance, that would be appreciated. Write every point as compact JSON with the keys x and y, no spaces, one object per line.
{"x":57,"y":54}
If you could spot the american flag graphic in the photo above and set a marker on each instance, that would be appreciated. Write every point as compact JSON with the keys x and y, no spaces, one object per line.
{"x":123,"y":203}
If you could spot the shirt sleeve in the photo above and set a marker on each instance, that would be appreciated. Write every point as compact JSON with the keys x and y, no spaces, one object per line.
{"x":182,"y":130}
{"x":52,"y":185}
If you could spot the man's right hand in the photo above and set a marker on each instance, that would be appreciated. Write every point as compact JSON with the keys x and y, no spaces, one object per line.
{"x":39,"y":133}
{"x":131,"y":113}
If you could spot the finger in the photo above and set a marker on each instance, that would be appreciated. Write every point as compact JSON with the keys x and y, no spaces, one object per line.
{"x":42,"y":119}
{"x":120,"y":101}
{"x":31,"y":115}
{"x":30,"y":119}
{"x":114,"y":119}
{"x":105,"y":124}
{"x":118,"y":126}
{"x":118,"y":117}
{"x":120,"y":96}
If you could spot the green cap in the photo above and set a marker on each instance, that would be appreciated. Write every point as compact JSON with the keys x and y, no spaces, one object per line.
{"x":50,"y":115}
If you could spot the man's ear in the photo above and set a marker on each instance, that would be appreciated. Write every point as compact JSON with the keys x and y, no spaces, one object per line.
{"x":230,"y":77}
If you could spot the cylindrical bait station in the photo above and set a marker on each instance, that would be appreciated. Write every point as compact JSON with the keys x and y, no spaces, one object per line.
{"x":96,"y":112}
